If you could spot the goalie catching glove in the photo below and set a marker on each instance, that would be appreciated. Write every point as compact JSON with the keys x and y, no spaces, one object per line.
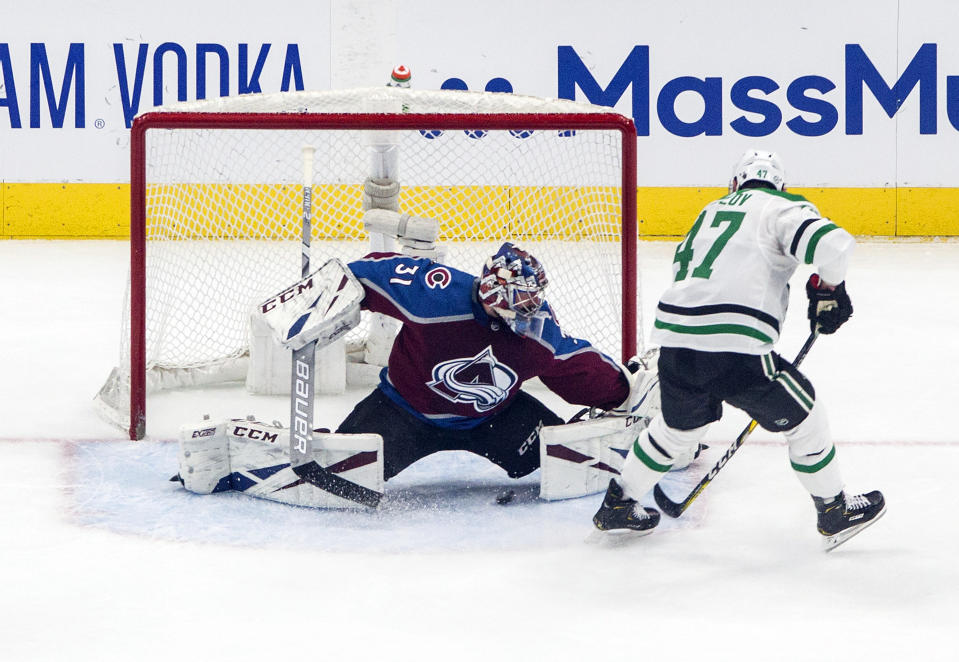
{"x":643,"y":400}
{"x":829,"y":305}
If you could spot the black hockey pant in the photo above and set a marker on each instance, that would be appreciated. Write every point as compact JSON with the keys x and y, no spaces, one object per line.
{"x":695,"y":384}
{"x":510,"y":439}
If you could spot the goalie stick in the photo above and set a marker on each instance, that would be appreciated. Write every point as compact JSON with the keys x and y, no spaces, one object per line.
{"x":677,"y":508}
{"x":301,"y":392}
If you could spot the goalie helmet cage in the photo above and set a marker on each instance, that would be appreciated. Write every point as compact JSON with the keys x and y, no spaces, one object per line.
{"x":216,"y":212}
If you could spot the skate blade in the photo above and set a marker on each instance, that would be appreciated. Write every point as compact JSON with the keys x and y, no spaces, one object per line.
{"x":832,"y":542}
{"x":615,"y":537}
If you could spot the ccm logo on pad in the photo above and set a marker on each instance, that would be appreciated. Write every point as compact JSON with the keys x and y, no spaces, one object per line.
{"x":254,"y":433}
{"x":286,"y":295}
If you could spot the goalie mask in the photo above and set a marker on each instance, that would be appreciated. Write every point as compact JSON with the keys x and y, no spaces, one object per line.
{"x":757,"y":165}
{"x":512,"y":285}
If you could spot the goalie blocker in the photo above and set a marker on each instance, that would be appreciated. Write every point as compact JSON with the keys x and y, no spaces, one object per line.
{"x":322,"y":307}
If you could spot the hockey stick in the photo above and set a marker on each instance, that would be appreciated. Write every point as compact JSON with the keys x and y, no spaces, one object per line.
{"x":677,"y":508}
{"x":301,"y":392}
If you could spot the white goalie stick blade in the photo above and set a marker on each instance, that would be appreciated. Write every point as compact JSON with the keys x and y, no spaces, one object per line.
{"x":578,"y":459}
{"x":320,"y":308}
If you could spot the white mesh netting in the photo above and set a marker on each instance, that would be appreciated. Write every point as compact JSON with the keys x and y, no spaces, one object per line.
{"x":224,"y":214}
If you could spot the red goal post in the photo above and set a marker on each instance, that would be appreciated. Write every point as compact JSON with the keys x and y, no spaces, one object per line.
{"x":147,"y":213}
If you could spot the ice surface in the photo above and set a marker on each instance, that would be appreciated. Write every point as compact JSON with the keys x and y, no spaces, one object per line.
{"x":102,"y":558}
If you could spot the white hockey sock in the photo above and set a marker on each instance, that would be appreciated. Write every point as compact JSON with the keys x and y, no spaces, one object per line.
{"x":812,"y":454}
{"x":643,"y":468}
{"x":824,"y":481}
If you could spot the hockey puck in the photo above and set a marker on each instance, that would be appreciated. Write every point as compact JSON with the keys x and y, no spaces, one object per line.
{"x":505,"y":497}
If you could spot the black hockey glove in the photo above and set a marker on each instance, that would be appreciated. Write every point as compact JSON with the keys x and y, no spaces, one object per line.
{"x":829,"y":307}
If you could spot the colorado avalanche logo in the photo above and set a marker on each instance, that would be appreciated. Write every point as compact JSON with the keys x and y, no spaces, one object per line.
{"x":480,"y":380}
{"x":438,"y":277}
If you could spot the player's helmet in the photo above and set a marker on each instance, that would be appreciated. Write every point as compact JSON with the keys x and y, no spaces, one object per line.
{"x":757,"y":164}
{"x":512,"y":284}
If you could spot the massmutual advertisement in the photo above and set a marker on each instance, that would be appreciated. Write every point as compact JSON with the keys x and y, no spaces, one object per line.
{"x":861,"y":99}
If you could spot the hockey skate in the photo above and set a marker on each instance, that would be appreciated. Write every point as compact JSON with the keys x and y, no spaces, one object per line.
{"x":842,"y":517}
{"x":622,"y":514}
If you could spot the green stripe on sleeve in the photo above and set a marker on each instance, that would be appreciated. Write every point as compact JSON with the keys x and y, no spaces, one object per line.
{"x":814,"y":240}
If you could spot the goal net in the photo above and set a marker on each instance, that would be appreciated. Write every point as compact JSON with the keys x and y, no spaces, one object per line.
{"x":217,"y":213}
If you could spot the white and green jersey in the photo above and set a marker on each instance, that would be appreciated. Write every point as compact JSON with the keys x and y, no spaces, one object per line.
{"x":731,"y":272}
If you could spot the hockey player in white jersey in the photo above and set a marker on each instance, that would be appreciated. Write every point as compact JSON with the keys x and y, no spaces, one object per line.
{"x":717,"y":325}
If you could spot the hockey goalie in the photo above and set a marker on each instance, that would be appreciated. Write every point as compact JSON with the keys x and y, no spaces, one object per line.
{"x":453,"y":380}
{"x":455,"y":350}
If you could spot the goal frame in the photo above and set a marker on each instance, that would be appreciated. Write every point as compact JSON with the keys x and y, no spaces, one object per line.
{"x":359,"y":121}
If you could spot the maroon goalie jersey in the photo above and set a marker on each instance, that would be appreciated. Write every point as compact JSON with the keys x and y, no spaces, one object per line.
{"x":455,"y":366}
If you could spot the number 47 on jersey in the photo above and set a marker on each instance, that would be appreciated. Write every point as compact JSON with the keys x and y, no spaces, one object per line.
{"x":690,"y":250}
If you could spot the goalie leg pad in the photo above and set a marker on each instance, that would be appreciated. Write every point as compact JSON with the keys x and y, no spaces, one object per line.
{"x":258,"y":463}
{"x":578,"y":459}
{"x":204,"y":458}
